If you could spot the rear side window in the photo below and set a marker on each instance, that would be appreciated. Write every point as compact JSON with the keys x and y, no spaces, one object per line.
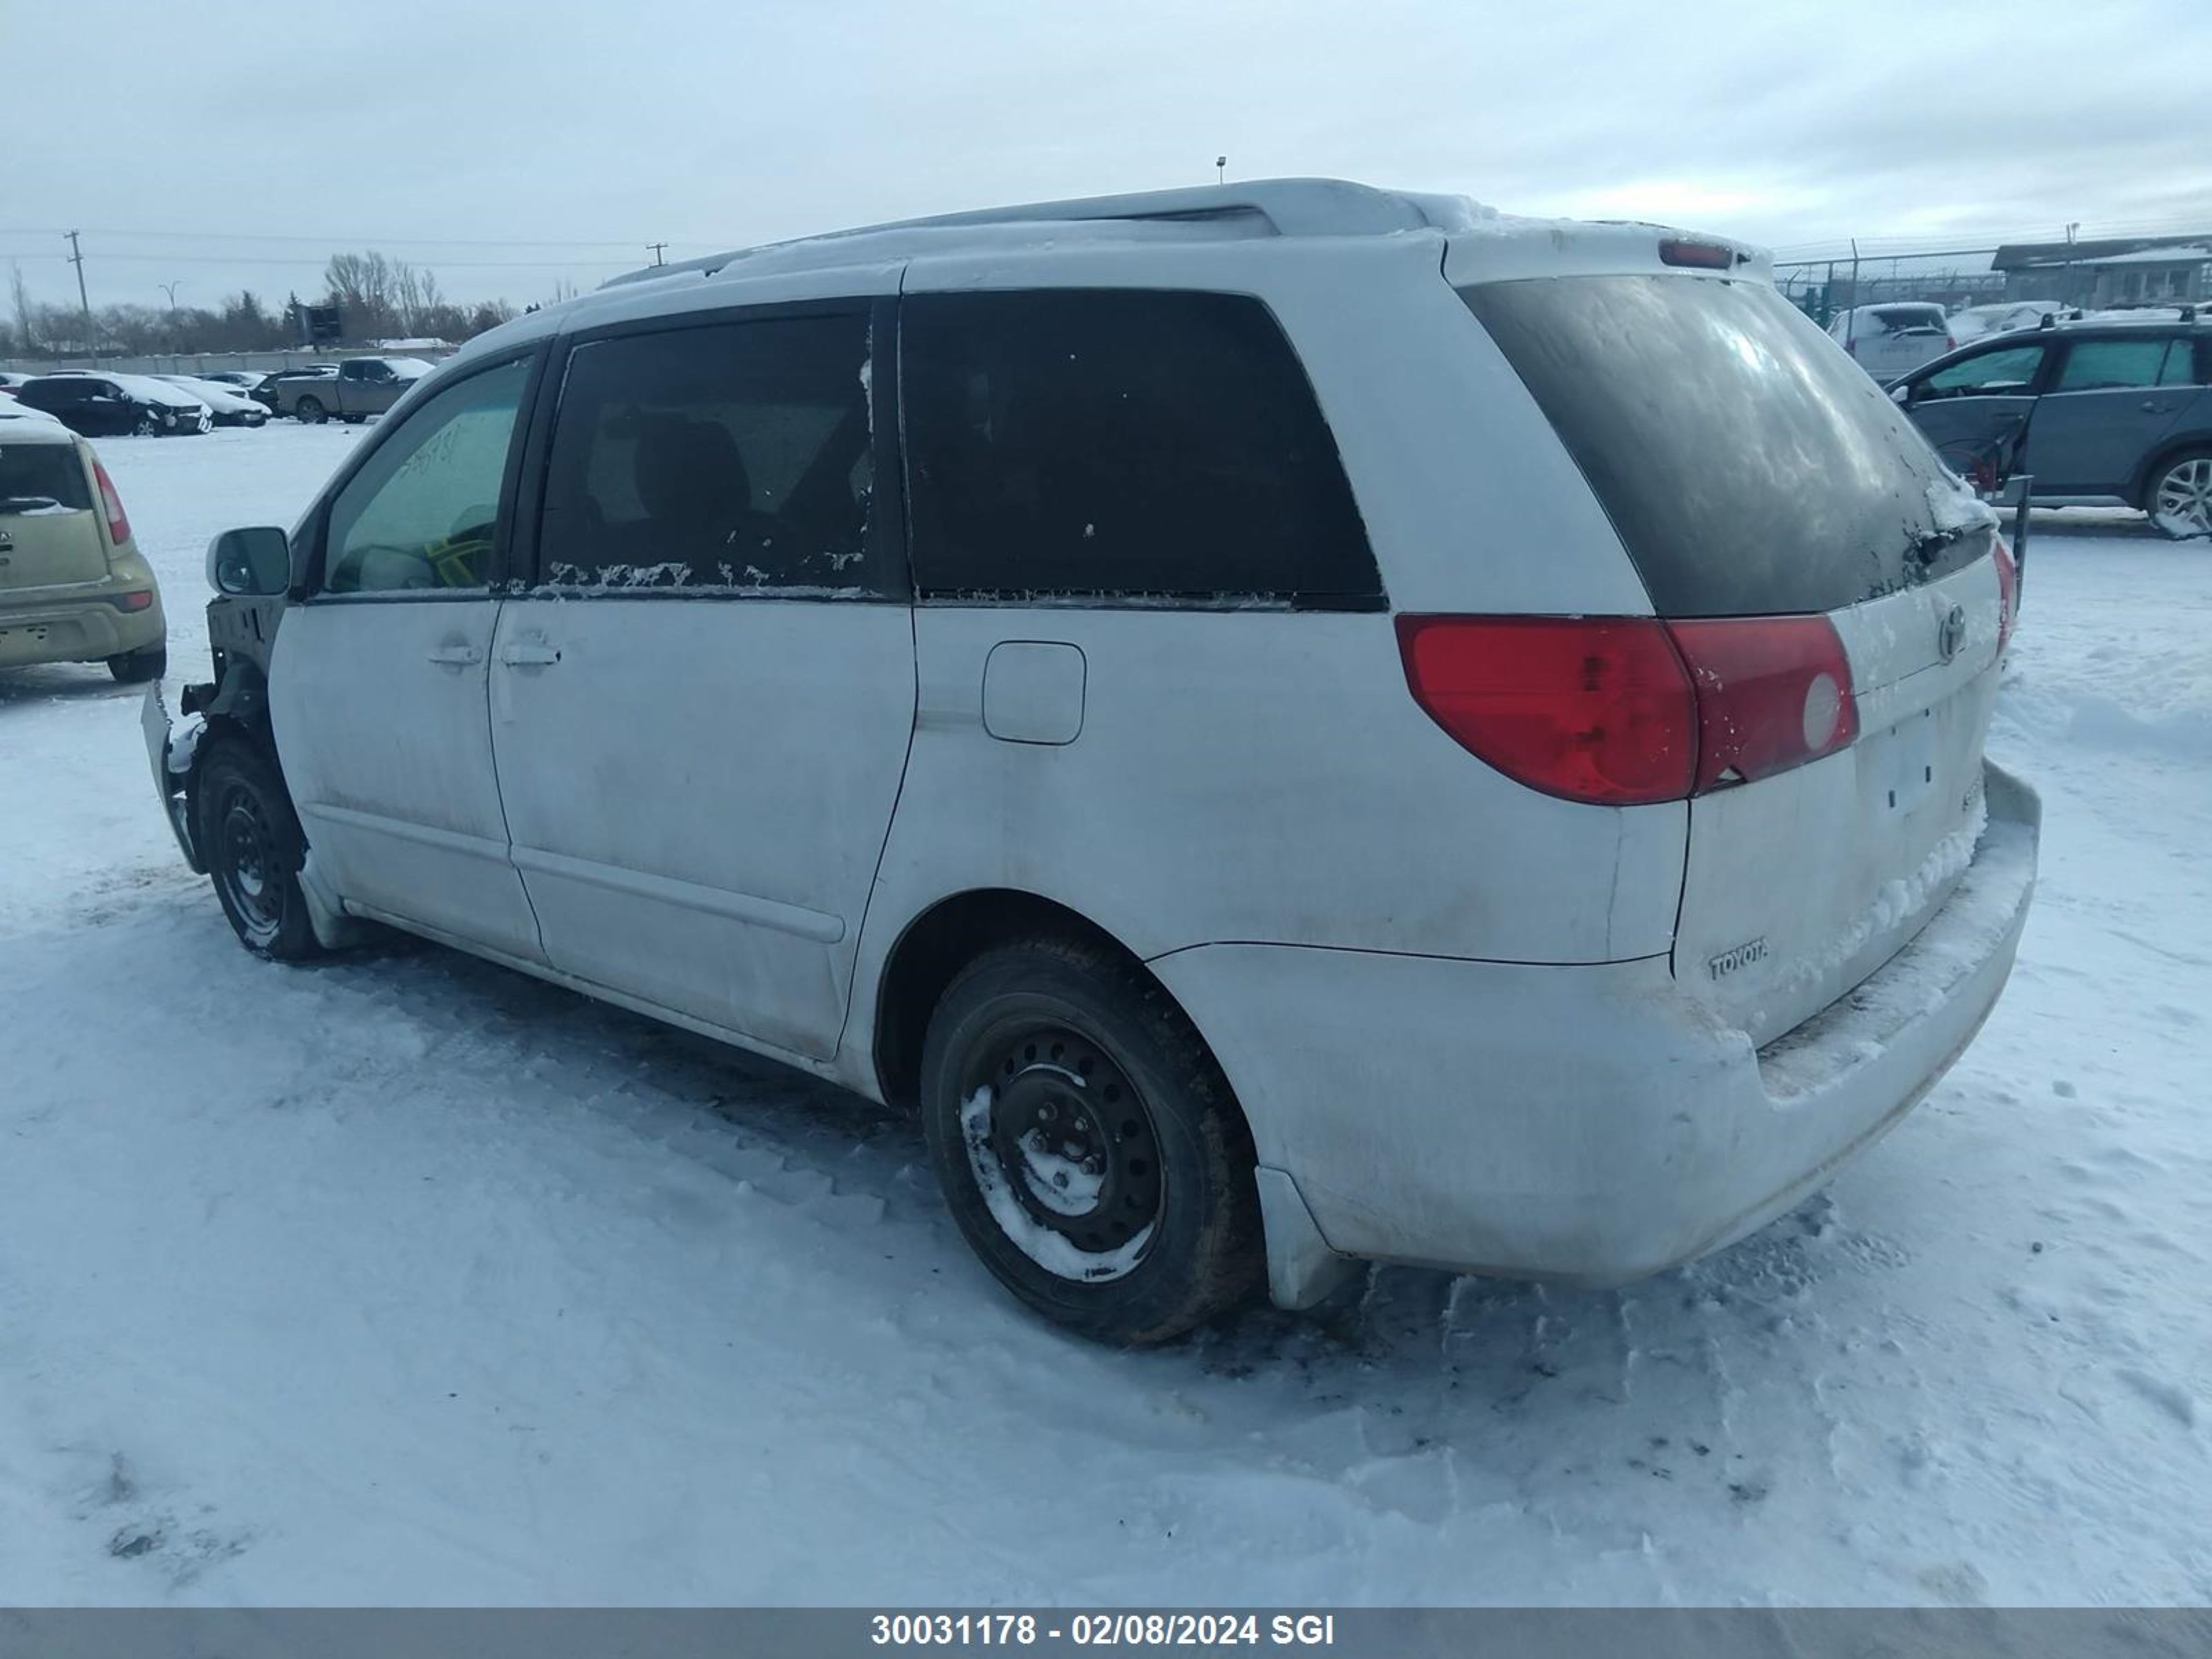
{"x":733,"y":456}
{"x":2096,"y":365}
{"x":40,"y":393}
{"x":1750,"y":468}
{"x":1122,"y":444}
{"x":41,"y":478}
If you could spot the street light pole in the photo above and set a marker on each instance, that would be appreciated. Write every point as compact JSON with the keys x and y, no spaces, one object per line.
{"x":1221,"y":169}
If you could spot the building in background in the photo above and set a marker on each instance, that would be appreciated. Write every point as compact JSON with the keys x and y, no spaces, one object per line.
{"x":2150,"y":271}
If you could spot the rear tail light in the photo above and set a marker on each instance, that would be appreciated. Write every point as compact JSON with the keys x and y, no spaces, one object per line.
{"x":135,"y":602}
{"x":1950,"y":343}
{"x":1623,"y":711}
{"x":1773,"y":692}
{"x":2008,"y":592}
{"x":111,"y":507}
{"x":1851,"y":346}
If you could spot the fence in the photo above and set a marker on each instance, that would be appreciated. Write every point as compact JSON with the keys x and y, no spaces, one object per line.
{"x":1950,"y":278}
{"x":200,"y":363}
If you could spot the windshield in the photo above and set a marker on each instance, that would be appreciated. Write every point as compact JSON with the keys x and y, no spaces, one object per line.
{"x":1750,"y":467}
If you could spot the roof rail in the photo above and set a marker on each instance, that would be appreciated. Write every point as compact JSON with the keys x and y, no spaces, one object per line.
{"x":1272,"y":207}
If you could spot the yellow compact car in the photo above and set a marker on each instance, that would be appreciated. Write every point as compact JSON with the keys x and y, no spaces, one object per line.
{"x":73,"y":587}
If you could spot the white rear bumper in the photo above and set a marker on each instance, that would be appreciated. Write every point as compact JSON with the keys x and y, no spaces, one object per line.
{"x":1581,"y":1123}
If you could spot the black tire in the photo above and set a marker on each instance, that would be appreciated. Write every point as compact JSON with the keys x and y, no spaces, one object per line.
{"x":311,"y":412}
{"x":1171,"y":1236}
{"x":250,"y":839}
{"x":145,"y":426}
{"x":2178,"y":496}
{"x":137,"y":667}
{"x":354,"y":420}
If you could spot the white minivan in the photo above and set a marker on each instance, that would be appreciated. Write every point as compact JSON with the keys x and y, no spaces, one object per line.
{"x":1296,"y":725}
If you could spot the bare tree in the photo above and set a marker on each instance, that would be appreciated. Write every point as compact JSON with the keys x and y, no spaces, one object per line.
{"x":25,"y":334}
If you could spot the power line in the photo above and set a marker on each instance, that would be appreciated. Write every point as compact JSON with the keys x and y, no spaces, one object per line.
{"x":351,"y":237}
{"x":255,"y":259}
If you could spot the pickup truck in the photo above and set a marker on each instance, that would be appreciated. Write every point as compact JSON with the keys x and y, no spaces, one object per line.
{"x":362,"y":386}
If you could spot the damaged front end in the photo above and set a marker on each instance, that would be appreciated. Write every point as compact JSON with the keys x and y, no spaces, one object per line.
{"x":172,"y":748}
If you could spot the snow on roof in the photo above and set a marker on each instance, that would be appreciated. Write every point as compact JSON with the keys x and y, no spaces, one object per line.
{"x":2191,"y":254}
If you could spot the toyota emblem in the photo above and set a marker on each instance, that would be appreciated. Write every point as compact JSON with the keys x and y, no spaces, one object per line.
{"x":1953,"y":634}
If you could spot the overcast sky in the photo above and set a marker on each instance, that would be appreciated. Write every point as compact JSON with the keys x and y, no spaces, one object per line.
{"x":509,"y":144}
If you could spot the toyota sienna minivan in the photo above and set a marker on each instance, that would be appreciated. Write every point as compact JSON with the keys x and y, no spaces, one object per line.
{"x":1296,"y":725}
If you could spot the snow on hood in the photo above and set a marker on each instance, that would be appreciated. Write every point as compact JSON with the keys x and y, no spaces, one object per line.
{"x":156,"y":391}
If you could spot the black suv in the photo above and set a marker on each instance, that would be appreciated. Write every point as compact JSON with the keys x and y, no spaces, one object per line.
{"x":2102,"y":411}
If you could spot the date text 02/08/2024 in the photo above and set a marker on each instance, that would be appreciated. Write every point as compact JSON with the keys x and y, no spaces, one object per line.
{"x":1311,"y":1630}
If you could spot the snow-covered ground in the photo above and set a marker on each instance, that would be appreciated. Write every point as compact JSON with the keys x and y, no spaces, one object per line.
{"x":408,"y":1279}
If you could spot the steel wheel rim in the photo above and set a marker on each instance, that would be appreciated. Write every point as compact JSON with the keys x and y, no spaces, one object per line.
{"x":1064,"y":1150}
{"x":2183,"y":501}
{"x":245,"y":859}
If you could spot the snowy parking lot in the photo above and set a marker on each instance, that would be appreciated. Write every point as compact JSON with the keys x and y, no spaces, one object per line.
{"x":404,"y":1278}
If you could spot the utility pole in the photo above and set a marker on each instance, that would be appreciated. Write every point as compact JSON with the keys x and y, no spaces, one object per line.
{"x":656,"y":249}
{"x":76,"y":258}
{"x":1221,"y":169}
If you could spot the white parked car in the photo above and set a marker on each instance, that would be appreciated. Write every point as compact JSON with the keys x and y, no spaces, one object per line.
{"x":1973,"y":322}
{"x":1890,"y":340}
{"x":1243,"y":706}
{"x":227,"y":404}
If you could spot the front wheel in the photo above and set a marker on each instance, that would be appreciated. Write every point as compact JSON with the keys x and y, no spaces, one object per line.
{"x":1088,"y":1144}
{"x":251,"y":840}
{"x":2179,"y":500}
{"x":145,"y":426}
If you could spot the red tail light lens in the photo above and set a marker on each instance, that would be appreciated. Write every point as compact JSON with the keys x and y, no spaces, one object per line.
{"x":2008,"y":592}
{"x":1773,"y":692}
{"x":111,"y":505}
{"x":1624,"y":711}
{"x":1596,"y":710}
{"x":136,"y":602}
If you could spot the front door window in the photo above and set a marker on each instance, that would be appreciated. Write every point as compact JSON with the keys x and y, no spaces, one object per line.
{"x":424,"y":514}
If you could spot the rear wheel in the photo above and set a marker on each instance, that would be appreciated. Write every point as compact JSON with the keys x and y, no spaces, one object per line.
{"x":1088,"y":1144}
{"x":311,"y":410}
{"x":2179,"y":500}
{"x":137,"y":667}
{"x":251,"y":840}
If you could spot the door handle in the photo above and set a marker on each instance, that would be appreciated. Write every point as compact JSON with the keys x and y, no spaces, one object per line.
{"x":456,"y":656}
{"x":527,"y":654}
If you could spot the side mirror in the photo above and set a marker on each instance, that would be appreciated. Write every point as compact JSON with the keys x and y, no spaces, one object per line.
{"x":256,"y":562}
{"x":1900,"y":395}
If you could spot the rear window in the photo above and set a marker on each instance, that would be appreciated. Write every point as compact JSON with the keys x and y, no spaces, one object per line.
{"x":1750,"y":468}
{"x":42,"y":478}
{"x":1122,"y":444}
{"x":1900,"y":319}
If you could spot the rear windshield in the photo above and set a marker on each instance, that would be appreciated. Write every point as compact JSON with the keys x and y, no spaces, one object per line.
{"x":1750,"y":468}
{"x":1897,"y":319}
{"x":41,"y":478}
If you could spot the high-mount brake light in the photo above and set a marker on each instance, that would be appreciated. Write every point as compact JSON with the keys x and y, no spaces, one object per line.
{"x":1703,"y":256}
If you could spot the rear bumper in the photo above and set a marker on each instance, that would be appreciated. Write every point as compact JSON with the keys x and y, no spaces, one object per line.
{"x":76,"y":629}
{"x":1585,"y":1124}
